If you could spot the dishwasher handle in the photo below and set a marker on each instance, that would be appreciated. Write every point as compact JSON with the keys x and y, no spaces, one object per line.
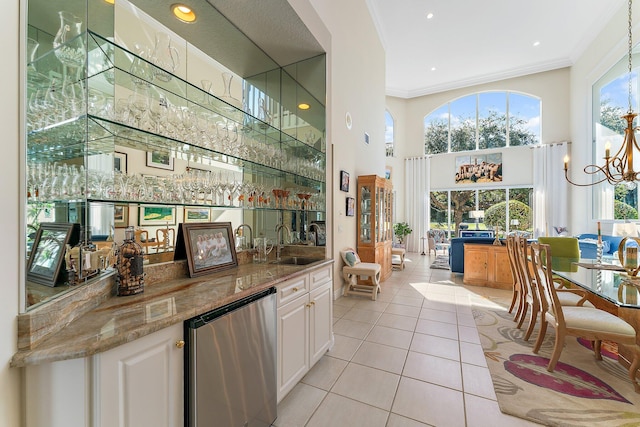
{"x":210,"y":316}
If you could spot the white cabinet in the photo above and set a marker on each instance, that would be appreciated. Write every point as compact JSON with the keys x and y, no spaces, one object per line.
{"x":140,"y":383}
{"x":304,"y":325}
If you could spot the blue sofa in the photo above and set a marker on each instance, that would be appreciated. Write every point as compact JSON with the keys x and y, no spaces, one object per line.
{"x":456,"y":251}
{"x":588,"y":241}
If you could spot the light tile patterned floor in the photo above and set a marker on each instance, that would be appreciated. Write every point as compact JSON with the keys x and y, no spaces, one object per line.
{"x":412,"y":358}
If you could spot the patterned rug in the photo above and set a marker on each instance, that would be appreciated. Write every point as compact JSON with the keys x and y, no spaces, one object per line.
{"x":441,"y":262}
{"x":580,"y":392}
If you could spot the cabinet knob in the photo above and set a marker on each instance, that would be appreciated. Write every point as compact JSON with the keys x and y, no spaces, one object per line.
{"x":295,"y":289}
{"x":308,"y":305}
{"x":180,"y":343}
{"x":312,"y":303}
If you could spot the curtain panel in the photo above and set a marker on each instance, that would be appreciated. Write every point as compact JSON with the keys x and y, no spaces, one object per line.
{"x":417,"y":210}
{"x":550,"y":189}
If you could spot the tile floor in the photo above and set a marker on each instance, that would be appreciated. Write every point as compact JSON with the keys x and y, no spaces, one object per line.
{"x":412,"y":358}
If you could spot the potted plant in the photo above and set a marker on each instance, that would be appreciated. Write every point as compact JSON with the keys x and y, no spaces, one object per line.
{"x":401,"y":230}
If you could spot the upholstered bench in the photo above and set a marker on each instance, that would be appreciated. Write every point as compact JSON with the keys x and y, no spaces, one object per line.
{"x":367,"y":269}
{"x":354,"y":269}
{"x":397,"y":258}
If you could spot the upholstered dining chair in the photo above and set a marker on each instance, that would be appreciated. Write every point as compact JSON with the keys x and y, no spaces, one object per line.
{"x":533,"y":270}
{"x":587,"y":322}
{"x":564,"y":247}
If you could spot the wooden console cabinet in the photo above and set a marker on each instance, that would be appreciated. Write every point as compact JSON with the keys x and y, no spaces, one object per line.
{"x":487,"y":265}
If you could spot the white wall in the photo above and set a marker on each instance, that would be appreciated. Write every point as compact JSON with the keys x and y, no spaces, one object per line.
{"x":11,"y":263}
{"x":356,"y":67}
{"x":552,"y":87}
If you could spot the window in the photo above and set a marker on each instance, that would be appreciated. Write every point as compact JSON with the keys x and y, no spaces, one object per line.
{"x":610,"y":103}
{"x":451,"y":210}
{"x":388,"y":133}
{"x":483,"y":121}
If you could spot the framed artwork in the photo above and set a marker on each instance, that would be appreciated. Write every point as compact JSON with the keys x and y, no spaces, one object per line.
{"x":159,"y":160}
{"x":47,"y":255}
{"x":120,"y":162}
{"x":478,"y":169}
{"x":344,"y":181}
{"x":209,"y":247}
{"x":157,"y":215}
{"x":121,"y":215}
{"x":387,"y":172}
{"x":197,"y":214}
{"x":351,"y":206}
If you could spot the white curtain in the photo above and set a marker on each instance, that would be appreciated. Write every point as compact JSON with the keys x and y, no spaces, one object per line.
{"x":550,"y":189}
{"x":417,"y":210}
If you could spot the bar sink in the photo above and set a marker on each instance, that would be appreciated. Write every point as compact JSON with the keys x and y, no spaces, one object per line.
{"x":296,"y":260}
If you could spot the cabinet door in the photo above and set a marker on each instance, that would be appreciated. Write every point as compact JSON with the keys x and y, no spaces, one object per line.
{"x":320,"y":322}
{"x":475,"y":264}
{"x":140,"y":384}
{"x":502,"y":268}
{"x":293,"y":344}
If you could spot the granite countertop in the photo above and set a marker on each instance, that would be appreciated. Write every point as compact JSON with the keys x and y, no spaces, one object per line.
{"x":119,"y":320}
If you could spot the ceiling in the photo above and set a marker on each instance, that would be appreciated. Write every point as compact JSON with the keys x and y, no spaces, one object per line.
{"x":469,"y":42}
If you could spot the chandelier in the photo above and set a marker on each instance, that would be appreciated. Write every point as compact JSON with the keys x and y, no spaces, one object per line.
{"x":619,"y":168}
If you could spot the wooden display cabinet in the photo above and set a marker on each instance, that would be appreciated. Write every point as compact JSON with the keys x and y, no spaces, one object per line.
{"x":375,"y":216}
{"x":487,"y":265}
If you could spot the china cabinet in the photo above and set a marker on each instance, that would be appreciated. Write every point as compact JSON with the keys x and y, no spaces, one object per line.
{"x":90,"y":99}
{"x":375,"y":231}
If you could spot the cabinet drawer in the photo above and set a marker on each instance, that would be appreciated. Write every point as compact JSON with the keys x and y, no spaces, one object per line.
{"x":320,"y":276}
{"x":292,"y":289}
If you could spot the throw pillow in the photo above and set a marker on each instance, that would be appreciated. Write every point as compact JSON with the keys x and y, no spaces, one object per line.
{"x":350,"y":257}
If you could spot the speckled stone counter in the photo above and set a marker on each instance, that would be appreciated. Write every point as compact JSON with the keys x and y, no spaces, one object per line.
{"x":114,"y":321}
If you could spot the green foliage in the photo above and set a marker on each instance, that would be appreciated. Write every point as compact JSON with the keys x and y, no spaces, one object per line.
{"x":496,"y":216}
{"x":402,"y":230}
{"x":624,"y":211}
{"x":611,"y":117}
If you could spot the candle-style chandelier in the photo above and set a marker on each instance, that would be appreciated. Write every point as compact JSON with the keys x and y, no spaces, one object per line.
{"x":619,"y":168}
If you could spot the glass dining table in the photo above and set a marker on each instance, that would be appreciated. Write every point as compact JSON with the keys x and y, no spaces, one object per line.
{"x":607,"y":280}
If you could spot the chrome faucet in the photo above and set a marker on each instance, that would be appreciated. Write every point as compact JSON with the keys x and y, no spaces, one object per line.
{"x":279,"y":246}
{"x":317,"y":227}
{"x":250,"y":233}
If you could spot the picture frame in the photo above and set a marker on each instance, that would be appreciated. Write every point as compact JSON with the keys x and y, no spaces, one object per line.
{"x":159,"y":160}
{"x":120,"y":162}
{"x":120,"y":215}
{"x":351,"y":206}
{"x":209,"y":247}
{"x":156,"y":215}
{"x":49,"y":247}
{"x":196,"y":214}
{"x":344,"y":181}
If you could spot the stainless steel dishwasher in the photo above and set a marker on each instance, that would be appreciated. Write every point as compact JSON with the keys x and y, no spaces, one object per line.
{"x":230,"y":364}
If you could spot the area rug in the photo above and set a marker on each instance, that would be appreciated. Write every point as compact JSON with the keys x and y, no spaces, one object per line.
{"x":441,"y":262}
{"x":580,"y":392}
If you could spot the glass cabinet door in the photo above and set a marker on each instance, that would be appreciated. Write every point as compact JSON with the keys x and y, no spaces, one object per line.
{"x":365,"y":214}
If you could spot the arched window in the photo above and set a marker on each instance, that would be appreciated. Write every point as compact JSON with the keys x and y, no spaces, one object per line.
{"x":481,"y":121}
{"x":388,"y":133}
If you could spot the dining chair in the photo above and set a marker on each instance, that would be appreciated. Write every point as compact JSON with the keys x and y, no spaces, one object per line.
{"x":530,"y":296}
{"x":564,"y":247}
{"x":517,"y":295}
{"x":578,"y":321}
{"x":165,"y":239}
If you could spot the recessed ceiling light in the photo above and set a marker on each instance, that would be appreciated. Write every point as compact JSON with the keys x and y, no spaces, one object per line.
{"x":536,"y":43}
{"x":183,"y":12}
{"x":433,"y":68}
{"x":304,"y":106}
{"x":429,"y":15}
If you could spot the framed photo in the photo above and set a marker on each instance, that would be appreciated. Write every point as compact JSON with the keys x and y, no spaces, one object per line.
{"x":120,"y":162}
{"x":478,"y":169}
{"x":344,"y":181}
{"x":159,"y":160}
{"x":209,"y":247}
{"x":121,"y":215}
{"x":157,"y":215}
{"x":47,"y":255}
{"x":197,"y":214}
{"x":351,"y":206}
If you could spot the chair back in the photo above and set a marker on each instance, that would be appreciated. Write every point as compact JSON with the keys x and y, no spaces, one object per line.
{"x":565,"y":247}
{"x":526,"y":278}
{"x":540,"y":255}
{"x":511,"y":251}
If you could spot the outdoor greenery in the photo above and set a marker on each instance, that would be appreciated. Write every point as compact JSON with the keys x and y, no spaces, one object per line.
{"x":495,"y":215}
